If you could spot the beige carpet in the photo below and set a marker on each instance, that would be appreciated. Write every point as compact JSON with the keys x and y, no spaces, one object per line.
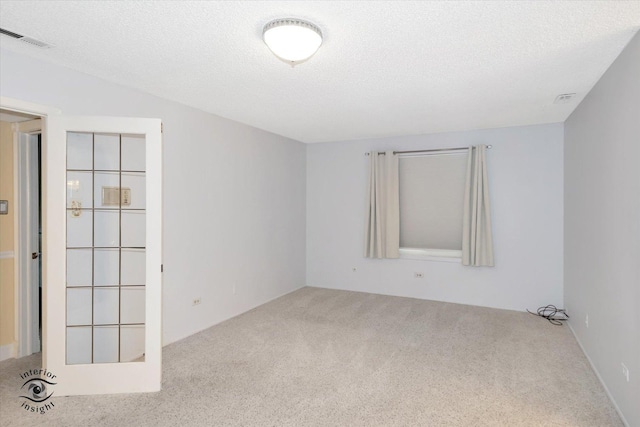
{"x":320,"y":357}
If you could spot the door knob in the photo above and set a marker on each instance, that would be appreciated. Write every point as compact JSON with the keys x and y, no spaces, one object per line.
{"x":35,"y":255}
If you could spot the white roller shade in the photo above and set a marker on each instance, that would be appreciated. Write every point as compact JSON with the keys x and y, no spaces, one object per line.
{"x":432,"y":200}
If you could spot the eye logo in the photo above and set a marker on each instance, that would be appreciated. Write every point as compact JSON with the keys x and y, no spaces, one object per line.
{"x":35,"y":390}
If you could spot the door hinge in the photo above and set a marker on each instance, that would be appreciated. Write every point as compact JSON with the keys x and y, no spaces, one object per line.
{"x":161,"y":127}
{"x":161,"y":268}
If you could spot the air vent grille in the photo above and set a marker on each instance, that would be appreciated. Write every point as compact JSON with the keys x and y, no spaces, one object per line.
{"x":10,"y":33}
{"x":35,"y":42}
{"x":25,"y":39}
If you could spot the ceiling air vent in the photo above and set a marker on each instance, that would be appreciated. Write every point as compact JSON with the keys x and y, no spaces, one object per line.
{"x":29,"y":40}
{"x":564,"y":98}
{"x":10,"y":33}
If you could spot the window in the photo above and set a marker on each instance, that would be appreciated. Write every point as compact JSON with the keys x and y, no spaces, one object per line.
{"x":431,"y":205}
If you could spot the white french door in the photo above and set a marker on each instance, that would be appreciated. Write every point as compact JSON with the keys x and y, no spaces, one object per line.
{"x":102,"y":213}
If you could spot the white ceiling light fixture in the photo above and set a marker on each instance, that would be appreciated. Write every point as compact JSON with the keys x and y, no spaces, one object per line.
{"x":292,"y":40}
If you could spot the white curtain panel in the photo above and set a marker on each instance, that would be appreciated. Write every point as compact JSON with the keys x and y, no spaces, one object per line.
{"x":382,"y":233}
{"x":477,"y":244}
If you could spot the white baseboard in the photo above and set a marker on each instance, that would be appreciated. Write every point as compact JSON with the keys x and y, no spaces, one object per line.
{"x":7,"y":351}
{"x":606,"y":389}
{"x":166,"y":343}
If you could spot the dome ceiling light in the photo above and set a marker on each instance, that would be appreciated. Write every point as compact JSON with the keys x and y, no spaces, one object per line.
{"x":292,"y":40}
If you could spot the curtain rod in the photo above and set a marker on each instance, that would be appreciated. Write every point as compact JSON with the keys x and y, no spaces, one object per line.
{"x":427,"y":151}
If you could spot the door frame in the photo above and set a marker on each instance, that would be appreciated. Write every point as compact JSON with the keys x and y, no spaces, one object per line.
{"x":28,"y":340}
{"x":22,"y":335}
{"x":94,"y":378}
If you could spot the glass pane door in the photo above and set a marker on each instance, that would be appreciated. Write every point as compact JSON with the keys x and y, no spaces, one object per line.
{"x":102,"y":286}
{"x":105,"y":248}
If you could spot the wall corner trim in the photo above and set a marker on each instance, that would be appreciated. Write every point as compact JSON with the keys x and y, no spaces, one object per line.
{"x":606,"y":389}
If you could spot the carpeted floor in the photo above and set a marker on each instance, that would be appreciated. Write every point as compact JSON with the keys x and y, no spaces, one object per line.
{"x":319,"y":357}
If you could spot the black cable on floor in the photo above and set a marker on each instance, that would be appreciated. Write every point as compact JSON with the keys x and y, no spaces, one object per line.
{"x":553,"y":314}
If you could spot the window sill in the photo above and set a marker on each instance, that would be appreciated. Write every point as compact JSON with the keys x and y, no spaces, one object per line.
{"x":442,"y":255}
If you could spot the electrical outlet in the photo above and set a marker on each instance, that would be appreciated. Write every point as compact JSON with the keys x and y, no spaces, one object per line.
{"x":418,"y":275}
{"x":625,"y":371}
{"x":586,"y":320}
{"x":197,"y":301}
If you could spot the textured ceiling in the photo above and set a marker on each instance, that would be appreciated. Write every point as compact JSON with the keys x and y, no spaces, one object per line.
{"x":385,"y":68}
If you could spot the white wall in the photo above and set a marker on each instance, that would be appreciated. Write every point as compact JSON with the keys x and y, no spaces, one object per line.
{"x":234,"y":196}
{"x":602,"y":227}
{"x":525,"y":174}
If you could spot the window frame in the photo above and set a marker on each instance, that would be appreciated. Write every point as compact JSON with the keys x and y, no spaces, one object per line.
{"x":443,"y":255}
{"x":431,"y":254}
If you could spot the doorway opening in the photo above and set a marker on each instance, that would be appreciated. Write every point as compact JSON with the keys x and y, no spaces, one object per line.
{"x":22,"y":231}
{"x":101,"y":254}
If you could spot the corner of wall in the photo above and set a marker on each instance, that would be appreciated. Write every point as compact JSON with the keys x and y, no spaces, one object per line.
{"x":601,"y":207}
